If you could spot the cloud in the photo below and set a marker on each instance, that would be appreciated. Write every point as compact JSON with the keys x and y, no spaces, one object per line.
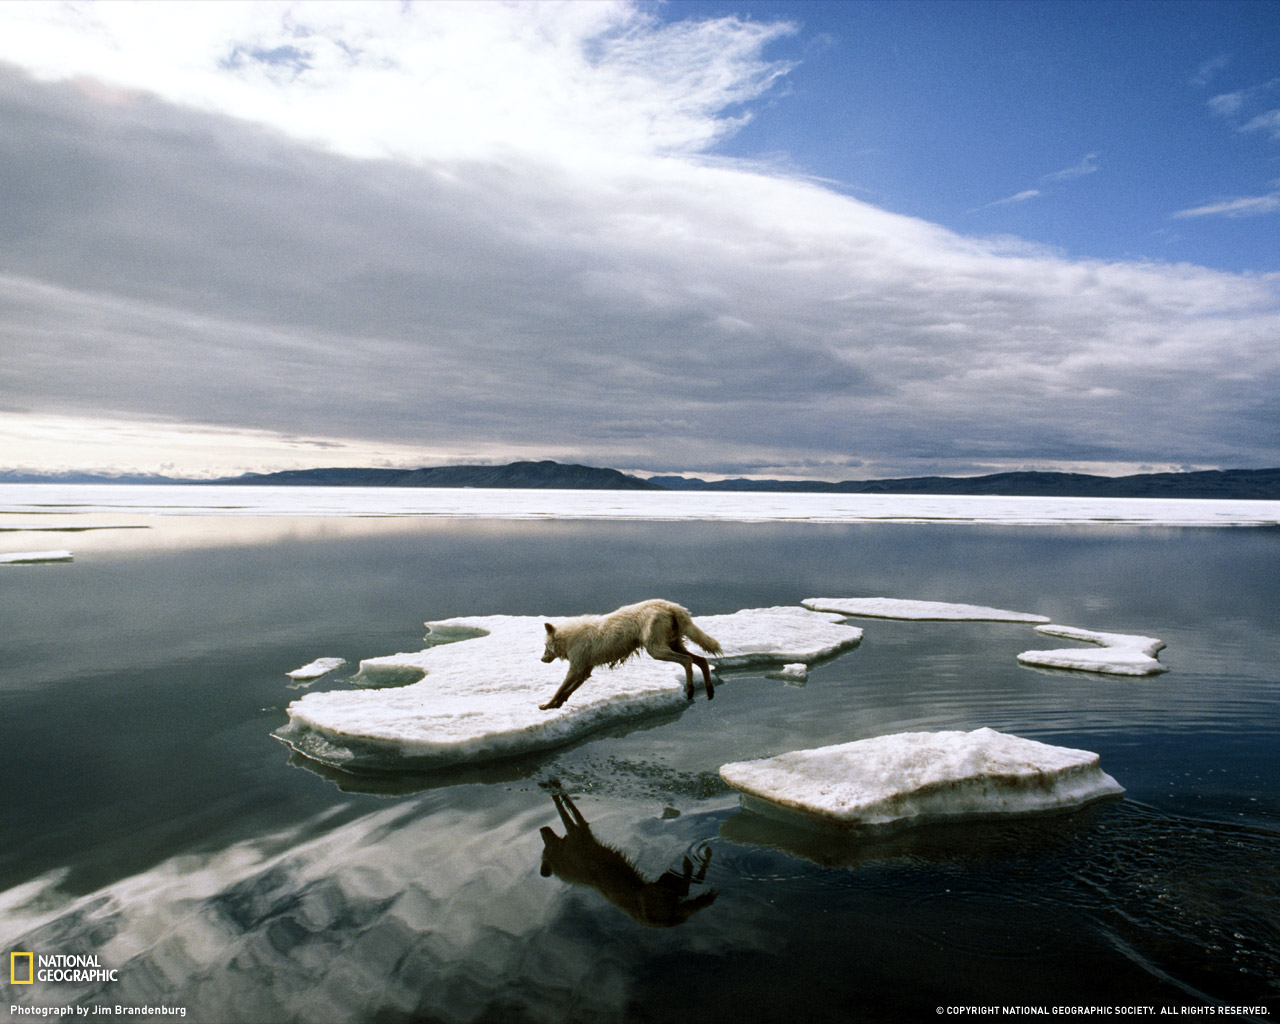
{"x":1088,"y":164}
{"x":176,"y":264}
{"x":454,"y":80}
{"x":1268,"y":122}
{"x":1210,"y":68}
{"x":1227,"y":104}
{"x":1232,"y":107}
{"x":1247,"y":206}
{"x":1020,"y":197}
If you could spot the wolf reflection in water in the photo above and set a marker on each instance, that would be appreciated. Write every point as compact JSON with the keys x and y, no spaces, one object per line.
{"x":581,"y":859}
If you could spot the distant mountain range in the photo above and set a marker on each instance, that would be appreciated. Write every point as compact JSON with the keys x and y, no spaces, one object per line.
{"x":1227,"y":483}
{"x":1263,"y":484}
{"x":545,"y":474}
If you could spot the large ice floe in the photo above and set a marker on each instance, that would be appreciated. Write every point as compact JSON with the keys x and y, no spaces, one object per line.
{"x":476,"y":699}
{"x":940,"y":611}
{"x":1115,"y":653}
{"x":916,"y":777}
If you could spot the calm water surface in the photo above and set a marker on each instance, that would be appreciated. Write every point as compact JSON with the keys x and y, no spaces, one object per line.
{"x":149,"y":817}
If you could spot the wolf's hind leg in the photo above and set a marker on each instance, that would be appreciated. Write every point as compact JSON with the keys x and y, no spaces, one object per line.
{"x":701,"y":662}
{"x":678,"y":646}
{"x":680,"y":657}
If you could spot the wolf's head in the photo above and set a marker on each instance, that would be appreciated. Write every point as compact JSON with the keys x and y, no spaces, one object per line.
{"x":554,"y":648}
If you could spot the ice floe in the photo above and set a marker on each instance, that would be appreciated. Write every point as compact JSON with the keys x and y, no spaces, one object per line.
{"x":477,"y":698}
{"x":892,"y":608}
{"x":794,"y":673}
{"x":316,"y":669}
{"x":1116,"y":654}
{"x":35,"y":557}
{"x":920,"y":776}
{"x":778,"y":636}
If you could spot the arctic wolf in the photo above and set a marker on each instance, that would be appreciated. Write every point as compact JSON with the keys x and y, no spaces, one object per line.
{"x":593,"y":640}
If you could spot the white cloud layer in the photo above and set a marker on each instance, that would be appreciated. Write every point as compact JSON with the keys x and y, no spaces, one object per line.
{"x":439,"y":80}
{"x":488,"y":228}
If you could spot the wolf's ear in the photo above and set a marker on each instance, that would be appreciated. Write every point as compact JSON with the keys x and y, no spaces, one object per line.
{"x":550,"y":628}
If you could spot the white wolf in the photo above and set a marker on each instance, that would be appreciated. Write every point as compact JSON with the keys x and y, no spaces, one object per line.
{"x":593,"y":640}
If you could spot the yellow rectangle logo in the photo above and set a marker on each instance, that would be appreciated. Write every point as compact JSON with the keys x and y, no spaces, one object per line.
{"x":14,"y":960}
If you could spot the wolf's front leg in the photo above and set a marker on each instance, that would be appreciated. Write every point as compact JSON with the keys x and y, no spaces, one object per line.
{"x":573,"y":679}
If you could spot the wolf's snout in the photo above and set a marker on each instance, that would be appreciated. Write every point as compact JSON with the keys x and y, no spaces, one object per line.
{"x":548,"y":658}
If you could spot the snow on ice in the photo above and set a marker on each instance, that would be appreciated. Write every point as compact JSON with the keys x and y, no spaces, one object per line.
{"x":1116,"y":653}
{"x":892,"y":608}
{"x":316,"y":669}
{"x":35,"y":557}
{"x":477,"y":699}
{"x":920,"y":776}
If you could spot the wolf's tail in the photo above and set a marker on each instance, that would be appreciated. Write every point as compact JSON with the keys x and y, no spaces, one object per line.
{"x":707,"y":643}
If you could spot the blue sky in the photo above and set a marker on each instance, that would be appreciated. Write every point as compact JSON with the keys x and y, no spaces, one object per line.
{"x":833,"y":240}
{"x":951,"y":110}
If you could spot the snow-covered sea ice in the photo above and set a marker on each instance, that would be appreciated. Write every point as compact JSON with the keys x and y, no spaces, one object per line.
{"x":918,"y":777}
{"x":477,"y":698}
{"x":933,"y":611}
{"x":1114,"y":653}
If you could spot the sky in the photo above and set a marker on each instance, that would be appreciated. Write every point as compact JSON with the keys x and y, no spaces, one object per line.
{"x":832,"y":240}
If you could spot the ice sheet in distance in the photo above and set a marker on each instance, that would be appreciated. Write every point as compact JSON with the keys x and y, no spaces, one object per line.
{"x":894,"y":608}
{"x":917,"y":777}
{"x":1114,"y":654}
{"x":479,"y":697}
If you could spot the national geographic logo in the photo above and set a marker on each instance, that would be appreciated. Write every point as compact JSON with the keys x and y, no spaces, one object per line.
{"x":28,"y":968}
{"x":22,"y":968}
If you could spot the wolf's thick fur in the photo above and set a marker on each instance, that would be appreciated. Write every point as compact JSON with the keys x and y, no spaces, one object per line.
{"x":659,"y":627}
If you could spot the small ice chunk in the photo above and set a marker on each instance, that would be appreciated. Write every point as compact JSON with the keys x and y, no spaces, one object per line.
{"x":797,"y":672}
{"x":1117,"y":653}
{"x":34,"y":557}
{"x":920,"y":776}
{"x":893,"y":608}
{"x":478,"y":698}
{"x":317,"y":668}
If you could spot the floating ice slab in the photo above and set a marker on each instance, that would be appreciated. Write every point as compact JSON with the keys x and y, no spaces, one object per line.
{"x":777,"y":636}
{"x":1117,"y":653}
{"x":920,"y":776}
{"x":478,"y":697}
{"x":34,"y":557}
{"x":892,"y":608}
{"x":316,"y":669}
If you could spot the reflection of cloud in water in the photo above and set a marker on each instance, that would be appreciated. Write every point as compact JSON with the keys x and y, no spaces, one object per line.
{"x":142,"y":533}
{"x":408,"y":911}
{"x":579,"y":858}
{"x":427,"y":910}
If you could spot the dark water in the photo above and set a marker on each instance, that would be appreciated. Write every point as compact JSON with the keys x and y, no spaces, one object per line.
{"x":148,"y":816}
